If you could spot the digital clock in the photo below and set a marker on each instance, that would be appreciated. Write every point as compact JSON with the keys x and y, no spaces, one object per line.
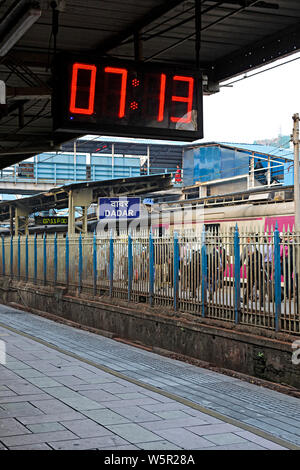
{"x":126,"y":99}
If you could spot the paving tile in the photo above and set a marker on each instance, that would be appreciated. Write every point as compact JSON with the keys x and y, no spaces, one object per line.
{"x":45,"y":427}
{"x":24,"y":388}
{"x":16,"y":410}
{"x":136,"y":414}
{"x":73,"y":399}
{"x":7,"y":393}
{"x":86,"y":428}
{"x":32,"y":447}
{"x":38,"y":438}
{"x":131,"y":396}
{"x":214,"y":429}
{"x":19,"y":398}
{"x":29,"y":373}
{"x":184,"y":438}
{"x":43,"y":382}
{"x":51,"y":418}
{"x":51,"y":406}
{"x":259,"y":440}
{"x":173,"y":423}
{"x":103,"y":442}
{"x":172,"y":414}
{"x":244,"y":446}
{"x":173,"y":406}
{"x":98,"y":395}
{"x":68,"y":380}
{"x":158,"y":445}
{"x":134,"y":433}
{"x":105,"y":417}
{"x":11,"y":427}
{"x":126,"y":403}
{"x":225,"y":438}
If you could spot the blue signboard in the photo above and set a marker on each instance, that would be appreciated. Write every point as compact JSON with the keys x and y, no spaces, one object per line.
{"x":117,"y":208}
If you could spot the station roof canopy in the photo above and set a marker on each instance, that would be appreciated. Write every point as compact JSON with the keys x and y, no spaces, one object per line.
{"x":255,"y":149}
{"x":224,"y":38}
{"x":58,"y":198}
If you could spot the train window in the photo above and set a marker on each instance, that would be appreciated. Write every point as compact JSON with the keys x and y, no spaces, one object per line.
{"x":212,"y":228}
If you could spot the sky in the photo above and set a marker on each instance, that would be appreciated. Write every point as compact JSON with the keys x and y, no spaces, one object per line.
{"x":258,"y":107}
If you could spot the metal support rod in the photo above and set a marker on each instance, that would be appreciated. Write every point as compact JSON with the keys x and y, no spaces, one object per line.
{"x":11,"y":257}
{"x":204,"y":273}
{"x":151,"y":269}
{"x":277,"y":277}
{"x":80,"y":263}
{"x":3,"y":257}
{"x":19,"y":257}
{"x":138,"y":46}
{"x":55,"y":259}
{"x":26,"y":258}
{"x":237,"y":275}
{"x":35,"y":258}
{"x":95,"y":263}
{"x":45,"y":258}
{"x":176,"y":270}
{"x":148,"y":159}
{"x":111,"y":265}
{"x":198,"y":18}
{"x":296,"y":170}
{"x":269,"y":172}
{"x":67,"y":260}
{"x":112,"y":160}
{"x":130,"y":267}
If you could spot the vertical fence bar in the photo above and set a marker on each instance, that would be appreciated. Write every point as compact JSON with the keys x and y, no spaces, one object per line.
{"x":67,"y":260}
{"x":111,"y":265}
{"x":26,"y":258}
{"x":237,"y":276}
{"x":130,"y":266}
{"x":277,"y":277}
{"x":95,"y":263}
{"x":3,"y":257}
{"x":45,"y":258}
{"x":204,"y":273}
{"x":11,"y":257}
{"x":80,"y":263}
{"x":55,"y":259}
{"x":19,"y":257}
{"x":35,"y":258}
{"x":176,"y":270}
{"x":151,"y":269}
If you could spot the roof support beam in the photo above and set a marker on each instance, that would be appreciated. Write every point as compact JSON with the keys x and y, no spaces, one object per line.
{"x":258,"y":54}
{"x":153,"y":15}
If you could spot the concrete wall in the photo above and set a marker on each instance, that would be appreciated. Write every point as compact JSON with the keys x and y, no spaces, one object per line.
{"x":260,"y":353}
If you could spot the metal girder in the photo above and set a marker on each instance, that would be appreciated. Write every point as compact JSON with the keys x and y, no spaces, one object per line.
{"x":257,"y":54}
{"x":137,"y":26}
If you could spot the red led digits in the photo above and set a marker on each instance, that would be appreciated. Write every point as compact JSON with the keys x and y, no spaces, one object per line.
{"x":123,"y":72}
{"x":184,"y":99}
{"x":162,"y":94}
{"x":73,"y":108}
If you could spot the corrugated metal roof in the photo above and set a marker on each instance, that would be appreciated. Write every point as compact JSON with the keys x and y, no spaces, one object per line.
{"x":129,"y":140}
{"x":256,"y":148}
{"x":265,"y":149}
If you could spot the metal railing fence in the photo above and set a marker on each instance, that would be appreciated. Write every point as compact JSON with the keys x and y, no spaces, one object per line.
{"x":249,"y":278}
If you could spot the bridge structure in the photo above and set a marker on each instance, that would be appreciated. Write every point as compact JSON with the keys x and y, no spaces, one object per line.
{"x":227,"y":300}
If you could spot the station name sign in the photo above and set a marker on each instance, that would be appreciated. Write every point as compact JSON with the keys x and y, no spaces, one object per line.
{"x":51,"y":220}
{"x":115,"y":208}
{"x":93,"y":95}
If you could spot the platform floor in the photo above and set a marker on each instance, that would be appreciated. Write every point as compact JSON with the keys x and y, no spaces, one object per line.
{"x":64,"y":388}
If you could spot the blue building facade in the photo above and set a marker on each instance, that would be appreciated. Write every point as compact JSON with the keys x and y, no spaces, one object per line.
{"x":217,"y":161}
